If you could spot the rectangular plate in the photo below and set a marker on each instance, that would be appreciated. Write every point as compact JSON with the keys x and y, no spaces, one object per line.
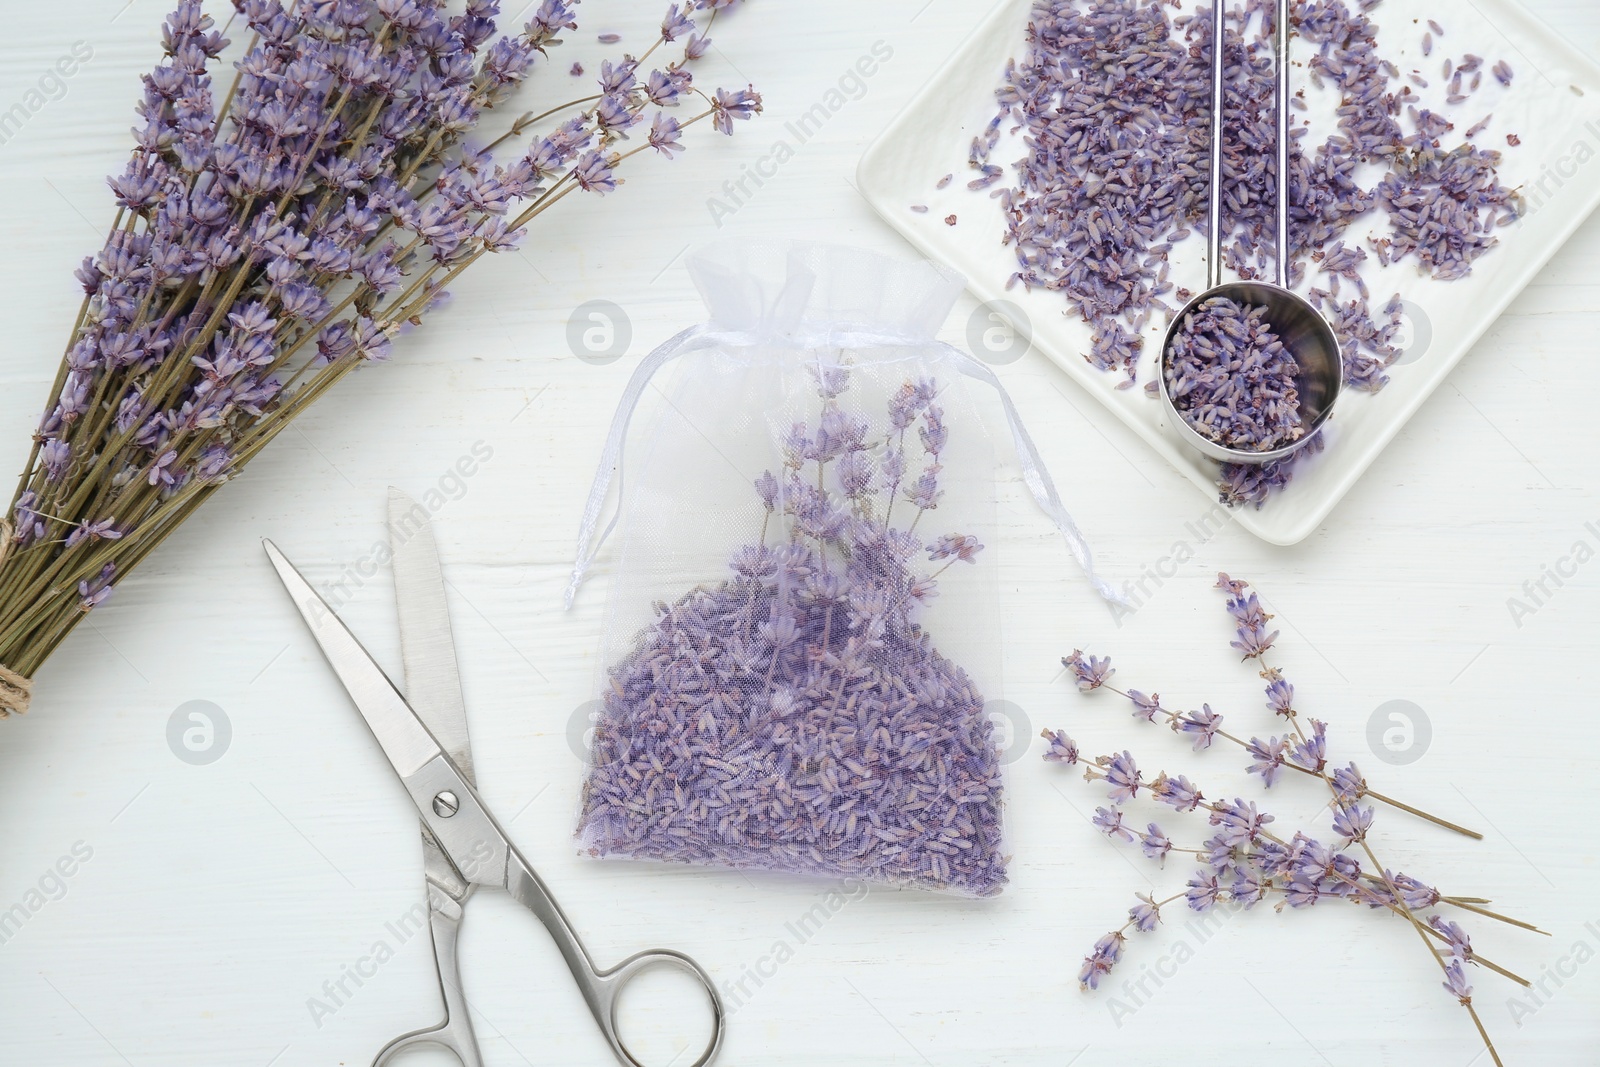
{"x":1555,"y":165}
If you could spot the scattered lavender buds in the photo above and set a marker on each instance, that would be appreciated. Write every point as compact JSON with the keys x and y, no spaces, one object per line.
{"x":1243,"y":859}
{"x":795,"y":715}
{"x":1232,"y":380}
{"x":1113,"y":101}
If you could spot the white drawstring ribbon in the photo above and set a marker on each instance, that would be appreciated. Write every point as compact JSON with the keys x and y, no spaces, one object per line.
{"x":1034,"y":473}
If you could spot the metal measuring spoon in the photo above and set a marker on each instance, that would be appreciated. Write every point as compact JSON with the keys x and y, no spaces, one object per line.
{"x":1300,"y":327}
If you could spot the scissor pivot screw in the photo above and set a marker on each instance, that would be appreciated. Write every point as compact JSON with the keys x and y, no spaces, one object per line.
{"x":446,"y":804}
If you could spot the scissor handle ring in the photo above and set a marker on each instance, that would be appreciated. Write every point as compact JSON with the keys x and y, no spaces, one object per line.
{"x":610,"y":984}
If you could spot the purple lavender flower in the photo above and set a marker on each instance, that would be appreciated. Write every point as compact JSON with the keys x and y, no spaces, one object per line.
{"x":1203,"y":891}
{"x":933,"y":432}
{"x":1122,"y":777}
{"x":677,"y":23}
{"x":215,"y":465}
{"x":665,"y":134}
{"x":894,"y":467}
{"x":1280,"y":696}
{"x":1202,"y":724}
{"x":370,"y":340}
{"x":1156,"y":844}
{"x":767,"y":490}
{"x":1109,"y":822}
{"x":163,"y":471}
{"x":613,"y":115}
{"x":1062,"y":748}
{"x":1312,"y":753}
{"x":925,"y":493}
{"x":1247,"y":888}
{"x":1238,"y":824}
{"x":103,"y":530}
{"x":28,"y":522}
{"x":1145,"y":707}
{"x":506,"y":65}
{"x":1178,"y":793}
{"x":1300,"y":893}
{"x":1352,"y":823}
{"x":1145,"y":915}
{"x":1418,"y":896}
{"x":1455,"y":980}
{"x":1270,"y":756}
{"x":780,"y":632}
{"x":1246,"y":610}
{"x":1090,"y":673}
{"x":56,"y":457}
{"x":1460,"y":944}
{"x":962,"y":547}
{"x":753,"y":561}
{"x":594,"y":175}
{"x":1107,"y":951}
{"x":405,"y":14}
{"x":727,"y":106}
{"x":618,"y":79}
{"x":797,"y":446}
{"x":837,"y":433}
{"x":93,"y":593}
{"x":1348,"y":784}
{"x":547,"y":23}
{"x":831,"y":379}
{"x":665,"y":88}
{"x":1254,"y":641}
{"x":904,"y":407}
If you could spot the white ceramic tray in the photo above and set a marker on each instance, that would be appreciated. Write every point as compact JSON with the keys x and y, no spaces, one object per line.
{"x":1553,"y":106}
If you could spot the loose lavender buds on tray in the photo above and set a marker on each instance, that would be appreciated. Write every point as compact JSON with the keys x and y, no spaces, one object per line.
{"x":1112,"y":98}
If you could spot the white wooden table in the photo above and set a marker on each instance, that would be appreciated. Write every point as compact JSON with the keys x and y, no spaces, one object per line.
{"x":212,"y":908}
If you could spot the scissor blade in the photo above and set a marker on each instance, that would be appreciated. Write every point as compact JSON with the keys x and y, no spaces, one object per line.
{"x":400,"y":733}
{"x":427,"y":646}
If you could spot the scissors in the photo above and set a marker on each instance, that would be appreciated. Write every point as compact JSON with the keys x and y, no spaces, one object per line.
{"x":424,"y":735}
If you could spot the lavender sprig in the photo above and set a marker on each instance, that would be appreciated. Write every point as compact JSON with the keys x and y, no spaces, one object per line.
{"x":1260,"y":863}
{"x":1245,"y":862}
{"x":1306,"y":755}
{"x":1354,"y":823}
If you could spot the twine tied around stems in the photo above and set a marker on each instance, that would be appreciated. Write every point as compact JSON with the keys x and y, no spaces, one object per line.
{"x":16,"y":692}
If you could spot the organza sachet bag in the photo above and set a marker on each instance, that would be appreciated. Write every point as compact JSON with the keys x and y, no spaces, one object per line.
{"x":803,"y":621}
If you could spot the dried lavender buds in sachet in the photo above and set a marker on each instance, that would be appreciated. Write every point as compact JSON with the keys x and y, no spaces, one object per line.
{"x":802,"y":626}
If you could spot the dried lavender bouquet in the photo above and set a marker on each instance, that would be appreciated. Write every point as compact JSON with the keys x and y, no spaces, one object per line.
{"x":1242,"y":862}
{"x":795,"y":715}
{"x":269,"y":242}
